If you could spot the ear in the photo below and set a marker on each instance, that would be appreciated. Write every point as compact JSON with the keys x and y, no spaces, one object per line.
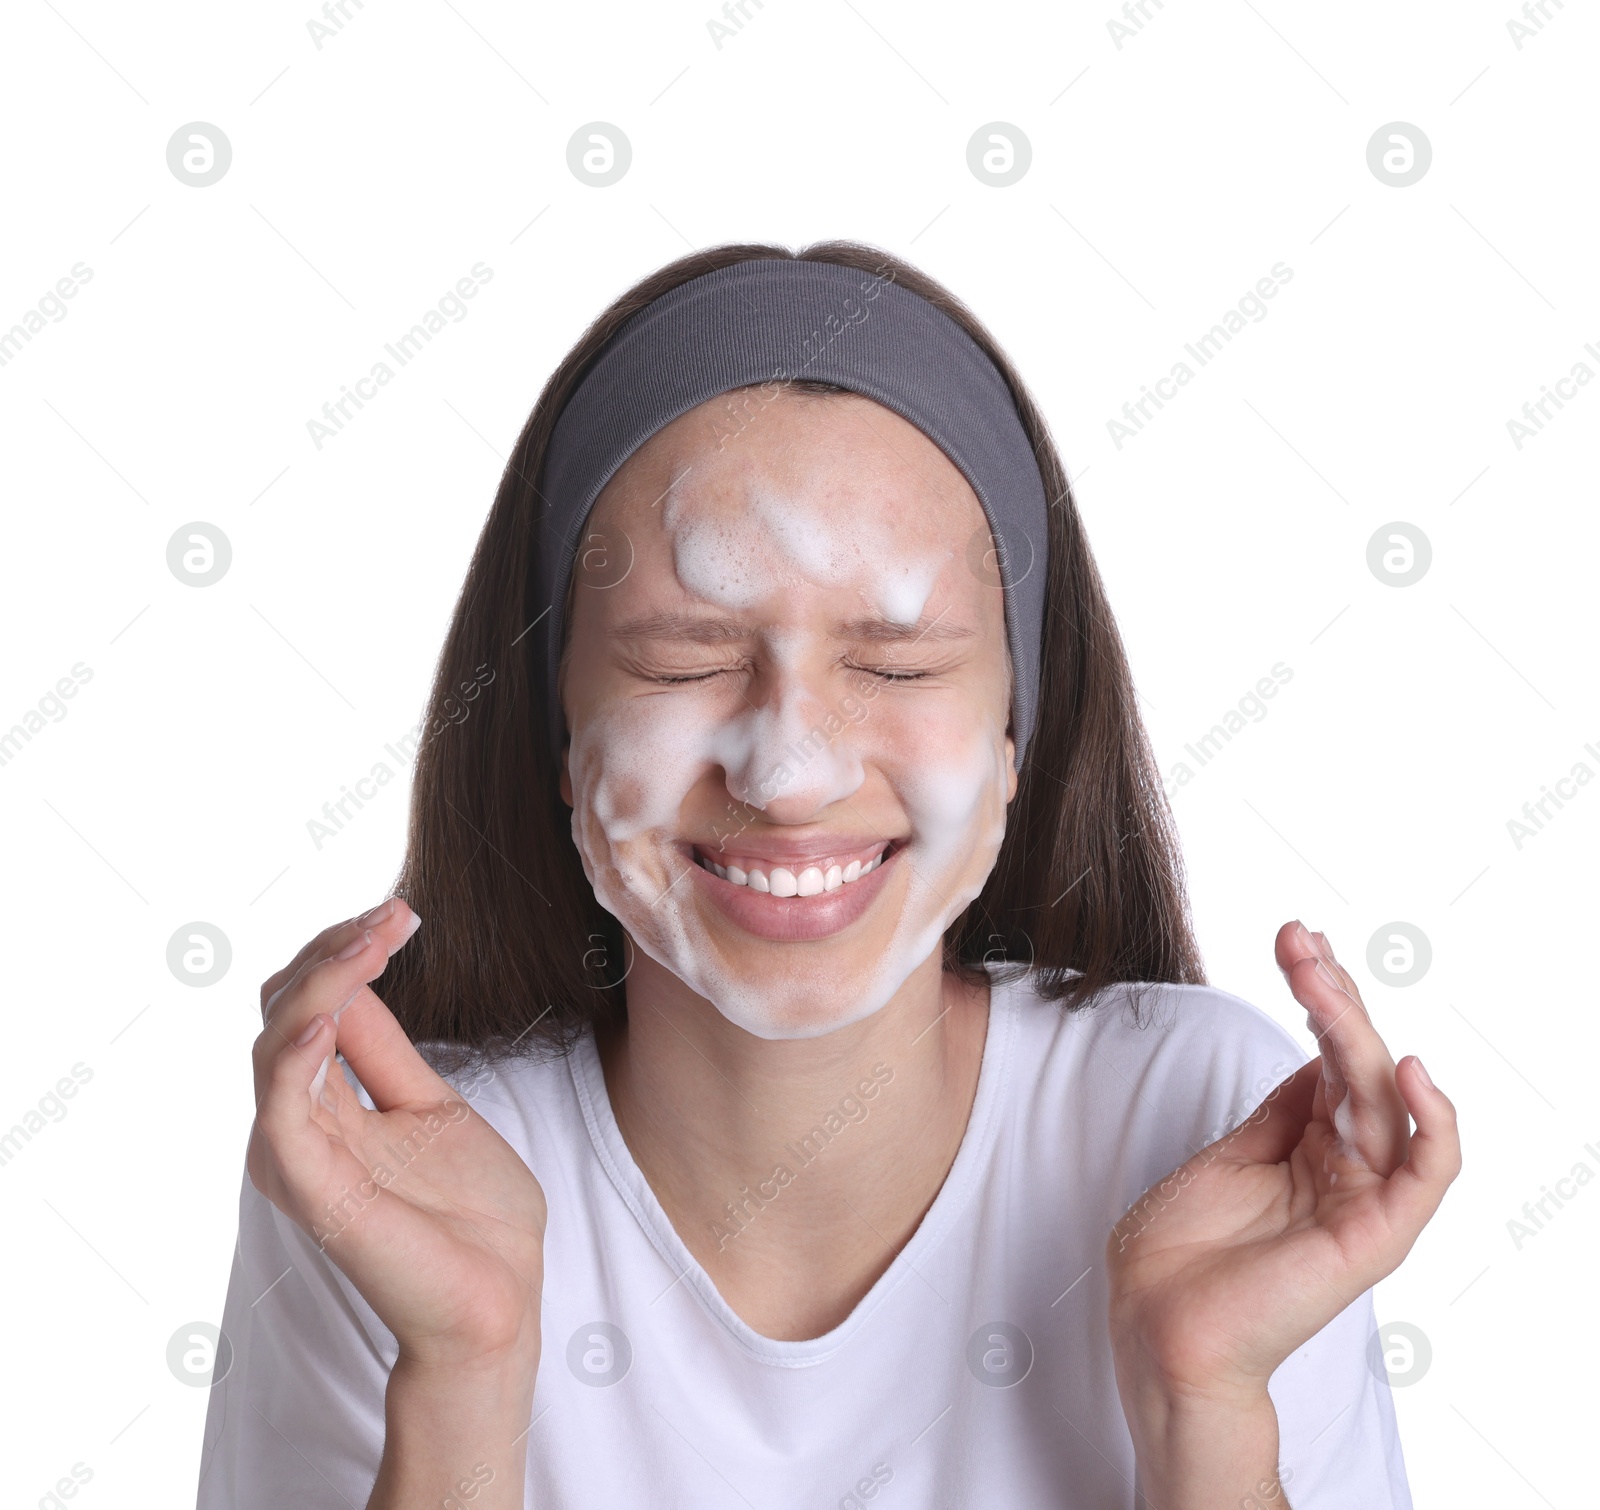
{"x":1011,"y":769}
{"x":566,"y":778}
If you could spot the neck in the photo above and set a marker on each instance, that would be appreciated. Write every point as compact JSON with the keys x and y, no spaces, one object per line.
{"x":795,"y":1169}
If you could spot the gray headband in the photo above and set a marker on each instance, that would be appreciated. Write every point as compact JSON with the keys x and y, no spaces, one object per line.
{"x":771,"y":319}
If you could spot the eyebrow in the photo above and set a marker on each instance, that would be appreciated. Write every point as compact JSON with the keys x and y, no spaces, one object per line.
{"x":703,"y":629}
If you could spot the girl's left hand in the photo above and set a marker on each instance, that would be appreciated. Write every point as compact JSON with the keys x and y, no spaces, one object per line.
{"x":1242,"y":1254}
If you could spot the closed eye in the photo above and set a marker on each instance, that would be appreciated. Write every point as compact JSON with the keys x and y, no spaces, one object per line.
{"x":703,"y":676}
{"x":882,"y":672}
{"x":890,"y":676}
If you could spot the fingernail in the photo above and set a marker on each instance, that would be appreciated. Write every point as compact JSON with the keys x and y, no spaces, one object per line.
{"x":309,"y":1031}
{"x":320,"y":1078}
{"x":1329,"y":976}
{"x":1427,"y":1079}
{"x":411,"y":927}
{"x":355,"y":946}
{"x":377,"y":914}
{"x":1302,"y":935}
{"x":1324,"y":948}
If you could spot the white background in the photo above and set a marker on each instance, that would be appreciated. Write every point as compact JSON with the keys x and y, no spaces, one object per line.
{"x":1167,"y":176}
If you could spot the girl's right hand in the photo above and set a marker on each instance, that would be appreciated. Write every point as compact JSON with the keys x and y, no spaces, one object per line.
{"x":434,"y":1217}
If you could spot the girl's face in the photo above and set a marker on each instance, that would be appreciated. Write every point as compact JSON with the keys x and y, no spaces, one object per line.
{"x":787,"y":693}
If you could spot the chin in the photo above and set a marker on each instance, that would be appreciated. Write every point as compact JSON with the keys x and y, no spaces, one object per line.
{"x":805,"y":1021}
{"x":777,"y":991}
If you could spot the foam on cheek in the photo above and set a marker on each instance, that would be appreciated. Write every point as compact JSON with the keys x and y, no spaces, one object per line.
{"x":633,"y":768}
{"x":955,"y":797}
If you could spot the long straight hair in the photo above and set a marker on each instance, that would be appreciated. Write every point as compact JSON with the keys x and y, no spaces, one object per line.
{"x":516,"y":956}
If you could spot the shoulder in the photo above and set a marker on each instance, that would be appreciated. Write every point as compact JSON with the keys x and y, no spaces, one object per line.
{"x":1175,"y":1037}
{"x":528,"y":1097}
{"x":1147,"y":1073}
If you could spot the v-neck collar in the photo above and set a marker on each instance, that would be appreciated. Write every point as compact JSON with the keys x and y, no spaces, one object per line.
{"x":588,"y":1079}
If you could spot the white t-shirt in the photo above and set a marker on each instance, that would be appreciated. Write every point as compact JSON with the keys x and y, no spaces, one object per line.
{"x":976,"y":1371}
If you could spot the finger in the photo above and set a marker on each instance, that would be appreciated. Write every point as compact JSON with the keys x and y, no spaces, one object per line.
{"x":290,"y":1157}
{"x":388,"y":916}
{"x":1413,"y":1193}
{"x":335,"y":1096}
{"x":390,"y":919}
{"x":1341,"y":1025}
{"x":1295,"y":942}
{"x":395,"y":924}
{"x":383,"y":1057}
{"x":1347,"y":982}
{"x":1363,"y":1102}
{"x":326,"y":986}
{"x":1292,"y":944}
{"x":1324,"y":1004}
{"x":315,"y":948}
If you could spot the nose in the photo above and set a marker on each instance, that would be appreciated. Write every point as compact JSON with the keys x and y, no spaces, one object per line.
{"x":780,"y":756}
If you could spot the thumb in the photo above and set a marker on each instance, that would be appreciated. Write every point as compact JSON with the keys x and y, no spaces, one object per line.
{"x":383,"y":1058}
{"x":1269,"y":1134}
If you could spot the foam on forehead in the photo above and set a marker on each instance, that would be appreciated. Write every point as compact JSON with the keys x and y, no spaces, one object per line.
{"x":763,"y":322}
{"x":737,"y":560}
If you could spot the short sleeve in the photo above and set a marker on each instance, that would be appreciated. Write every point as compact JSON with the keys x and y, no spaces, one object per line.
{"x":296,"y":1422}
{"x":1207,"y":1059}
{"x":1338,"y":1441}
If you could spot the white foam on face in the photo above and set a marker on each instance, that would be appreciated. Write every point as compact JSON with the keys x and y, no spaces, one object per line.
{"x":955,"y":798}
{"x":637,"y":759}
{"x":736,"y":563}
{"x":826,"y":557}
{"x":716,"y":562}
{"x":905,"y":586}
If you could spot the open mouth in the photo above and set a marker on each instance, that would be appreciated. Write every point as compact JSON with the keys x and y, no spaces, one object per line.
{"x":808,"y":878}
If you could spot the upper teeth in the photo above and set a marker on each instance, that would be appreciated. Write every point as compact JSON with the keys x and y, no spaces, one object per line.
{"x":782,"y":882}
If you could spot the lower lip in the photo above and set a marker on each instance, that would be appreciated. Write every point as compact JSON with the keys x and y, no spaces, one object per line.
{"x":792,"y":919}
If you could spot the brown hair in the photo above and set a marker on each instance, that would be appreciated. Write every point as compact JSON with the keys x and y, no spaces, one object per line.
{"x":516,"y":955}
